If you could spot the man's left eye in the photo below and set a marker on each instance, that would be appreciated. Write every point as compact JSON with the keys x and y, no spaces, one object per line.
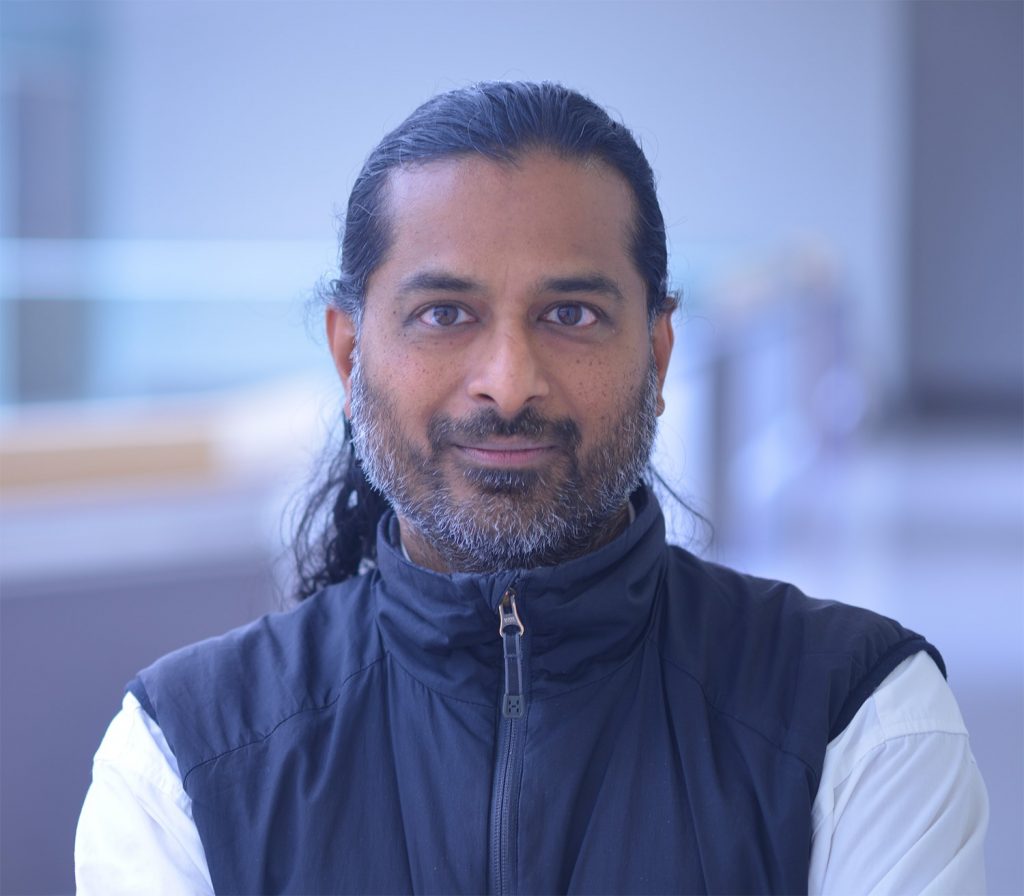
{"x":444,"y":316}
{"x":571,"y":315}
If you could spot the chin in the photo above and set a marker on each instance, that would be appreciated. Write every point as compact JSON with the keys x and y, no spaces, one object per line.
{"x":512,"y":482}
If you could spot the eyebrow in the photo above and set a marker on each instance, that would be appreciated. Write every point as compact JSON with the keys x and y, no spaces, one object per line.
{"x":444,"y":281}
{"x":586,"y":283}
{"x":437,"y":281}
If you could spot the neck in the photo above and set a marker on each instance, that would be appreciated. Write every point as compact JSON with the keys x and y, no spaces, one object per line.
{"x":446,"y":558}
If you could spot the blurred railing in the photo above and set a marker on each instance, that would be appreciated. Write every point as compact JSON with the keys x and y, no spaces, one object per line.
{"x":83,"y":319}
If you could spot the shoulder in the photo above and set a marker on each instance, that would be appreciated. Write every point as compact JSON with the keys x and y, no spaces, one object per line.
{"x":136,"y":824}
{"x":764,"y":622}
{"x":914,"y":699}
{"x":216,"y":694}
{"x":795,"y":668}
{"x":901,"y":798}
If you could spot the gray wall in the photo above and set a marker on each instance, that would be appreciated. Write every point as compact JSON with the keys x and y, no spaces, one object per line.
{"x":966,"y":216}
{"x":69,"y":643}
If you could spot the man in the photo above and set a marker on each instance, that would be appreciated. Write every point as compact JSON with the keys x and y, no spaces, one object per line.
{"x":500,"y":677}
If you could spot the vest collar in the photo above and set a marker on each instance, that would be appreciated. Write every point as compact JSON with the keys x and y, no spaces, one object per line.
{"x":581,"y":618}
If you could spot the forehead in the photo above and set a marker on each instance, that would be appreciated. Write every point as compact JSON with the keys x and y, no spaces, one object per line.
{"x":538,"y":216}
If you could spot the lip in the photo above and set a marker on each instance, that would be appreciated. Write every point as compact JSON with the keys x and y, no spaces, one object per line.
{"x":507,"y":454}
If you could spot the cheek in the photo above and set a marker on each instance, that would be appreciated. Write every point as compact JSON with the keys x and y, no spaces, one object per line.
{"x":414,"y":383}
{"x":600,"y":389}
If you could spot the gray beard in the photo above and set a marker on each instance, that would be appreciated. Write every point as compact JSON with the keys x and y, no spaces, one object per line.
{"x":516,"y":519}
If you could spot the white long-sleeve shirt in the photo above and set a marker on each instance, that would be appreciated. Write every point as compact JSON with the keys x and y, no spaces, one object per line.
{"x":901,"y":807}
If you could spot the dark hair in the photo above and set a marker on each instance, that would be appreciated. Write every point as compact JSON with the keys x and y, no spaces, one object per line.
{"x":500,"y":121}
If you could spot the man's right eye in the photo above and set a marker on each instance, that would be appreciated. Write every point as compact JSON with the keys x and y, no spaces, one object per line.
{"x":444,"y":316}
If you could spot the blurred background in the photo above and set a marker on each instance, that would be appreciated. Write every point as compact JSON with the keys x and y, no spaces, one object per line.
{"x":843,"y":187}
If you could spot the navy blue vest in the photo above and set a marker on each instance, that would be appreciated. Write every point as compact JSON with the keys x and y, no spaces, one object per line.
{"x":666,"y":734}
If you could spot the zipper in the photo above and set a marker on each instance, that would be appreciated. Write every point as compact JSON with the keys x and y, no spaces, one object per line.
{"x":505,"y":806}
{"x":511,"y":629}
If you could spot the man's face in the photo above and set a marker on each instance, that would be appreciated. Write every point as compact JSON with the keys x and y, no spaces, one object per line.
{"x":504,"y":383}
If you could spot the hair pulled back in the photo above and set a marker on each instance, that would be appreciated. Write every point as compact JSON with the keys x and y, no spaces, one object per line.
{"x":502,"y":121}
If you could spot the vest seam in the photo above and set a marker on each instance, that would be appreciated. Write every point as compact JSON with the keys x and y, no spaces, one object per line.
{"x":599,"y":680}
{"x":718,"y":710}
{"x":431,"y":688}
{"x":287,"y":718}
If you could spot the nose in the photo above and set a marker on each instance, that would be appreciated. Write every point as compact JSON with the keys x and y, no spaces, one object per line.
{"x":508,"y":372}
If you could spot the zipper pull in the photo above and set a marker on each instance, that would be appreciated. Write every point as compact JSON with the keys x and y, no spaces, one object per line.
{"x":511,"y":630}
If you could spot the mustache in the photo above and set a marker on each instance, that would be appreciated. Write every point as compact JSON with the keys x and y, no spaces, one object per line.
{"x":529,"y":423}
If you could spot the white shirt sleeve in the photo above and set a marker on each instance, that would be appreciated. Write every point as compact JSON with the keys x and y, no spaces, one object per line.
{"x":901,"y":807}
{"x":136,"y":833}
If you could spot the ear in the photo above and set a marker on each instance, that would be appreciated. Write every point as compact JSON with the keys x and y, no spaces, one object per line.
{"x":662,"y":339}
{"x":341,"y":337}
